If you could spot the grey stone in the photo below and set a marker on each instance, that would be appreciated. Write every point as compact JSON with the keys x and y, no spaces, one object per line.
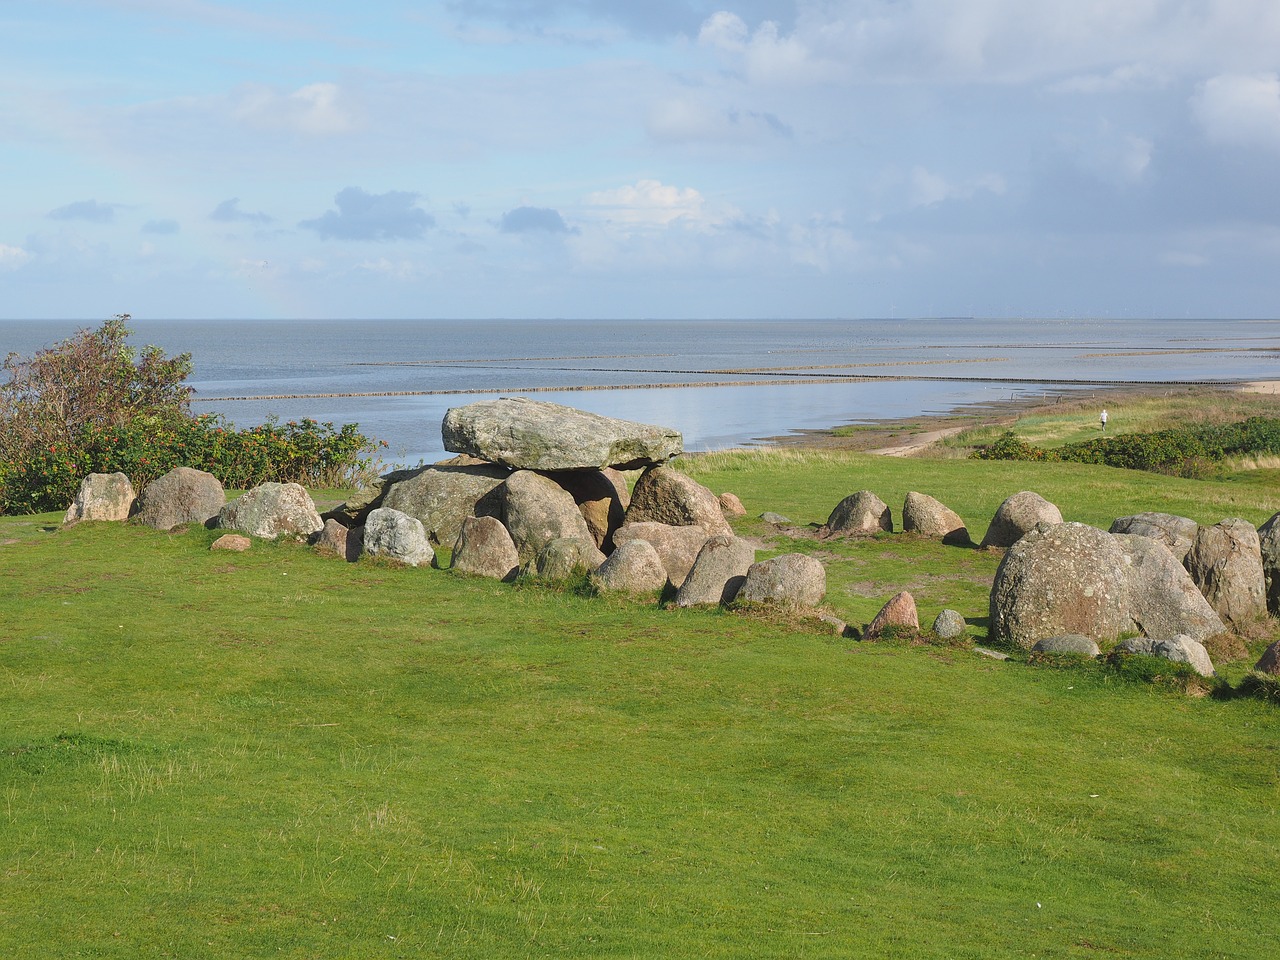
{"x":677,"y":546}
{"x":537,"y":510}
{"x":899,"y":613}
{"x":634,"y":567}
{"x":1269,"y":546}
{"x":441,"y":497}
{"x":1162,"y":598}
{"x":858,"y":514}
{"x":272,"y":510}
{"x":102,"y":496}
{"x":182,"y":495}
{"x":664,"y":495}
{"x":1183,"y":649}
{"x":396,"y":536}
{"x":1176,"y":533}
{"x":534,"y":435}
{"x":718,"y":572}
{"x":368,"y":497}
{"x":776,"y":519}
{"x":1060,"y":578}
{"x":565,"y":557}
{"x":928,"y":517}
{"x":1067,"y":643}
{"x":1018,"y":515}
{"x":949,"y":625}
{"x":485,"y":549}
{"x":1225,"y":561}
{"x":790,"y":578}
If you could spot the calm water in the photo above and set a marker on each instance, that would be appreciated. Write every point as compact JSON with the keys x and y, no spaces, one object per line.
{"x":953,"y":363}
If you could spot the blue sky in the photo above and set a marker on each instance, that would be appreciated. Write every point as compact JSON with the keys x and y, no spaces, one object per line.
{"x":672,"y":158}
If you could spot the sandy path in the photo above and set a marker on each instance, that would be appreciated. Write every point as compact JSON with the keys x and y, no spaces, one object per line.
{"x":917,"y":443}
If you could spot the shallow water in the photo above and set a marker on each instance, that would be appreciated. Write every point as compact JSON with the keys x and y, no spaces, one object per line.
{"x":761,"y":367}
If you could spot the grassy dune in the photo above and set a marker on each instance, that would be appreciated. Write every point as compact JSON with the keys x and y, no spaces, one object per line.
{"x":278,"y":754}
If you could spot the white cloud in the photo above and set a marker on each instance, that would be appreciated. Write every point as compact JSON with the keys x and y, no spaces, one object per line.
{"x":1242,"y":110}
{"x":11,"y":258}
{"x":769,"y":56}
{"x":926,"y":188}
{"x":318,"y":109}
{"x":655,"y":204}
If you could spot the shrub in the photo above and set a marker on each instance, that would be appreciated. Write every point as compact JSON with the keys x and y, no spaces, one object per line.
{"x":1009,"y":446}
{"x":91,"y":405}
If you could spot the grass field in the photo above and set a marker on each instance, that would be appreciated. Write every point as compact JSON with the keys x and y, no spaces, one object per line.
{"x":279,"y":754}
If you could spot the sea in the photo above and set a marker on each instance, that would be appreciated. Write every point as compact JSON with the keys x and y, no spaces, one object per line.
{"x":722,"y":383}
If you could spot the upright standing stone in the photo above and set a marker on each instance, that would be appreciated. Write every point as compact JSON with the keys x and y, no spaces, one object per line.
{"x":528,"y":434}
{"x":664,"y":495}
{"x":536,"y":510}
{"x":1269,"y":545}
{"x":718,"y":572}
{"x":928,"y":517}
{"x":485,"y":549}
{"x":396,"y":536}
{"x":1225,"y":561}
{"x":102,"y":496}
{"x":182,"y":495}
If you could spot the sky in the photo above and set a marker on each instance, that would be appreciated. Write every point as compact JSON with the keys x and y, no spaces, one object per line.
{"x":617,"y":158}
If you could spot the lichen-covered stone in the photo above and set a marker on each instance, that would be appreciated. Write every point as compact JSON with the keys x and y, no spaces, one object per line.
{"x":528,"y":434}
{"x":182,"y":495}
{"x":102,"y":496}
{"x":272,"y":510}
{"x":396,"y":536}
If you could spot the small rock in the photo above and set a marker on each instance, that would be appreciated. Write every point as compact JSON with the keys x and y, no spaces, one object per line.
{"x":898,"y":615}
{"x":731,"y":506}
{"x":231,"y":541}
{"x":1269,"y":662}
{"x":338,"y":540}
{"x":949,"y":625}
{"x":776,"y":519}
{"x":1066,"y":643}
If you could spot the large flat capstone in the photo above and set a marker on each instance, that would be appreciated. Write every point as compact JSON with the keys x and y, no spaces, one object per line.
{"x":534,"y":435}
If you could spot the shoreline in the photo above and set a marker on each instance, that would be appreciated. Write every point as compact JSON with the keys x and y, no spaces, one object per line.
{"x":908,"y":436}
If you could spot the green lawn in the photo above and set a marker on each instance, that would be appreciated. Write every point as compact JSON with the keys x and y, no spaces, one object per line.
{"x":277,"y":754}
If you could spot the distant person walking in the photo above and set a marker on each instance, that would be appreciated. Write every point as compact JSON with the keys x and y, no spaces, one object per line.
{"x":1102,"y":418}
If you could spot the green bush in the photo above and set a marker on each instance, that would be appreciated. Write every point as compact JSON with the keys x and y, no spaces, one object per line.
{"x":1192,"y":453}
{"x":91,"y":405}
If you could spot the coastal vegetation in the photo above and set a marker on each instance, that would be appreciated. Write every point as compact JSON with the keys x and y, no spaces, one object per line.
{"x":94,"y":404}
{"x":278,"y":753}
